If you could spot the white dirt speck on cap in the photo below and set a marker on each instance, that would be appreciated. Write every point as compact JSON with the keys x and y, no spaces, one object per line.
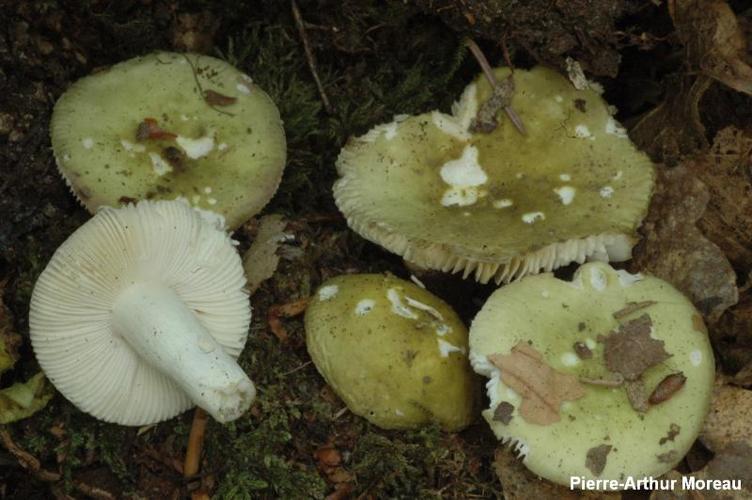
{"x":328,"y":292}
{"x":531,"y":217}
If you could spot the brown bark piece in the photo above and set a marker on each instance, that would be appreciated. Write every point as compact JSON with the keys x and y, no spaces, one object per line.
{"x":542,"y":388}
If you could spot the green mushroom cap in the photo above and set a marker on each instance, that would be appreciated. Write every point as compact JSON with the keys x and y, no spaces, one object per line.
{"x":499,"y":205}
{"x":394,"y":353}
{"x":606,"y":377}
{"x":169,"y":125}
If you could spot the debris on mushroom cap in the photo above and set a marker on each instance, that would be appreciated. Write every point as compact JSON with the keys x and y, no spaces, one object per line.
{"x":170,"y":125}
{"x":395,"y":353}
{"x":140,"y":314}
{"x":562,"y":429}
{"x":499,"y":205}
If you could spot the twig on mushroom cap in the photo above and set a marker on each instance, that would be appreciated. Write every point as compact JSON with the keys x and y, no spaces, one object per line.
{"x":310,"y":57}
{"x":504,"y":91}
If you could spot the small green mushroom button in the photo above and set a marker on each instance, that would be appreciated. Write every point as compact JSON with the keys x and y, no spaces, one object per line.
{"x":169,"y":125}
{"x":607,"y":376}
{"x":394,"y":353}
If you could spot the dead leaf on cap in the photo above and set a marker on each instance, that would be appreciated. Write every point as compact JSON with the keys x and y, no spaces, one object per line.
{"x":666,"y":388}
{"x":714,"y":43}
{"x":542,"y":388}
{"x":503,"y":412}
{"x":261,"y":260}
{"x":726,"y":170}
{"x":631,"y":350}
{"x":675,"y":250}
{"x":596,"y":457}
{"x":729,"y":418}
{"x":636,"y":395}
{"x":518,"y":483}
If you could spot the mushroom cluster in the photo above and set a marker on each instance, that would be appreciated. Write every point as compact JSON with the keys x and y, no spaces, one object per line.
{"x":170,"y":125}
{"x":604,"y":377}
{"x":501,"y":205}
{"x":141,"y":313}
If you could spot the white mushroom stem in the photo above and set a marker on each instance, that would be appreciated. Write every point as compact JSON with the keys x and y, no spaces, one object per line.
{"x":159,"y":326}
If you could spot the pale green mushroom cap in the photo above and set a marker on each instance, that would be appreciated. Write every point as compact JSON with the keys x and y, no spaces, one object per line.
{"x":550,"y":315}
{"x":394,"y":353}
{"x":232,"y":155}
{"x":500,"y":205}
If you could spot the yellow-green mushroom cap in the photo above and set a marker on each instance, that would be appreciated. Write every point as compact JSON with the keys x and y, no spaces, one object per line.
{"x":217,"y":139}
{"x":394,"y":353}
{"x":500,"y":205}
{"x":603,"y":327}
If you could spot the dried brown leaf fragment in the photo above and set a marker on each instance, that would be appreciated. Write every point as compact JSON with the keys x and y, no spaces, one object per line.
{"x":631,"y":350}
{"x":596,"y":457}
{"x":667,"y":387}
{"x":673,"y":431}
{"x":714,"y":42}
{"x":542,"y":388}
{"x":216,"y":99}
{"x":726,"y":171}
{"x":503,"y":412}
{"x":261,"y":260}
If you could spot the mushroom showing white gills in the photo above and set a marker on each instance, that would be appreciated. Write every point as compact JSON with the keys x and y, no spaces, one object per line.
{"x":141,"y":313}
{"x":499,"y":206}
{"x":605,"y":377}
{"x":169,"y":125}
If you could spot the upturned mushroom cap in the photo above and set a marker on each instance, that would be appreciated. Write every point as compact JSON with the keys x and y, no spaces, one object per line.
{"x":170,"y":125}
{"x":499,"y":205}
{"x":87,"y":305}
{"x":571,"y":366}
{"x":395,"y":353}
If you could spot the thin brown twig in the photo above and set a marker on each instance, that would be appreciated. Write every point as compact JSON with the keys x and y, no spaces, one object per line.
{"x":310,"y":58}
{"x":491,"y":77}
{"x":195,"y":443}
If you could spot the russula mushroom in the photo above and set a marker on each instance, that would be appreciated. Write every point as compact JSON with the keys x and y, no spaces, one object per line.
{"x":499,"y":205}
{"x":605,"y":377}
{"x":170,"y":125}
{"x":394,"y":353}
{"x":141,"y":313}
